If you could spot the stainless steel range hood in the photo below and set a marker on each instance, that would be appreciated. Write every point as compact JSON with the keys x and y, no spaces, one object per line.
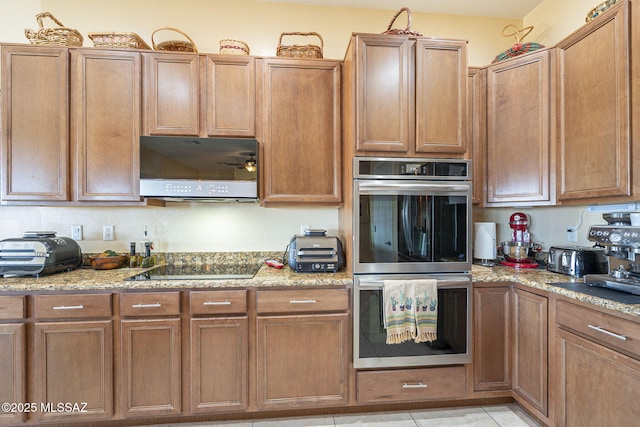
{"x":199,"y":169}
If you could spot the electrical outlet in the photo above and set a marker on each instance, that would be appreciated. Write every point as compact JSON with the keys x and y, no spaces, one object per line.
{"x":76,"y":232}
{"x":303,"y":228}
{"x":572,"y":234}
{"x":108,"y":232}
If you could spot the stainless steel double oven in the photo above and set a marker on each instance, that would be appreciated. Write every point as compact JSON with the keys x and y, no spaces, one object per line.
{"x":412,"y":219}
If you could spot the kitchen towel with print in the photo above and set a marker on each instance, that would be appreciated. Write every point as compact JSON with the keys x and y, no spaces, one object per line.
{"x":410,"y":310}
{"x":399,"y":320}
{"x":425,"y":292}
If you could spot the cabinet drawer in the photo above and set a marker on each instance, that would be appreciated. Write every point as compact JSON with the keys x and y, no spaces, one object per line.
{"x":607,"y":329}
{"x":72,"y":306}
{"x":218,"y":302}
{"x":11,"y":307}
{"x":411,"y":384}
{"x":150,"y":304}
{"x":302,"y":300}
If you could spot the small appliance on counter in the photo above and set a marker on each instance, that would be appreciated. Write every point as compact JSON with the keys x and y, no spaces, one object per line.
{"x":37,"y":253}
{"x":315,"y":252}
{"x":520,"y":251}
{"x":577,"y":260}
{"x":621,"y":243}
{"x":484,"y":243}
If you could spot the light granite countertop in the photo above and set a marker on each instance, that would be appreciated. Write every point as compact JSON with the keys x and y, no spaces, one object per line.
{"x":542,"y":279}
{"x":87,"y":279}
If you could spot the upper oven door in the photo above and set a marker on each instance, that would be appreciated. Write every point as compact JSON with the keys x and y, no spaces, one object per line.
{"x":412,"y":226}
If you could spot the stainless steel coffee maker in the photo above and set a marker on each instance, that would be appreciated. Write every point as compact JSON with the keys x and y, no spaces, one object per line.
{"x":621,"y":241}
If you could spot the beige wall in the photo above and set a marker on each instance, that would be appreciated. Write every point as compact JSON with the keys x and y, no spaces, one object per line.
{"x":223,"y":227}
{"x":259,"y":23}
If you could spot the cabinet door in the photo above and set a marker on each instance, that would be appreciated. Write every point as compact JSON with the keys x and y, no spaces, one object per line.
{"x":594,"y":153}
{"x":231,"y":95}
{"x":12,"y":370}
{"x":530,"y":344}
{"x":301,"y":157}
{"x":441,"y":96}
{"x":105,"y":124}
{"x":477,"y":128}
{"x":384,"y":93}
{"x":171,"y":94}
{"x":519,"y":132}
{"x":151,"y":367}
{"x":597,"y":386}
{"x":218,"y":364}
{"x":492,"y":338}
{"x":35,"y":123}
{"x":73,"y":364}
{"x":302,"y":361}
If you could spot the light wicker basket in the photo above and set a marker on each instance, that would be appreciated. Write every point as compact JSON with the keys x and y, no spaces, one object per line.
{"x":118,"y":40}
{"x":174,"y":45}
{"x":233,"y":47}
{"x":61,"y":36}
{"x":300,"y":51}
{"x":402,"y":32}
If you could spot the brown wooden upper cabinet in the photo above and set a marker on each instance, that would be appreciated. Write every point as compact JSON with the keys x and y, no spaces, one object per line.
{"x":35,"y":123}
{"x":199,"y":95}
{"x":405,"y":95}
{"x":519,"y":132}
{"x":64,"y":145}
{"x":300,"y":132}
{"x":594,"y":137}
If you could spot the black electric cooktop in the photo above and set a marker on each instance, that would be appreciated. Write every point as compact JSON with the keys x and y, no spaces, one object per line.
{"x":199,"y":272}
{"x":611,"y":294}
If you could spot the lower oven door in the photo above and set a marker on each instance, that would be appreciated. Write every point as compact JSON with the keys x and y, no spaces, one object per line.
{"x":453,"y":343}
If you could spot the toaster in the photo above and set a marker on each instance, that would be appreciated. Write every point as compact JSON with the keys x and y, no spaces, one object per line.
{"x":37,"y":253}
{"x":315,"y":252}
{"x":577,"y":260}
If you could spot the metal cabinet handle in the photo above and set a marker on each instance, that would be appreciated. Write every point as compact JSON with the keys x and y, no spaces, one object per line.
{"x":419,"y":385}
{"x":611,"y":334}
{"x":302,"y":301}
{"x":69,"y":307}
{"x":154,"y":305}
{"x":216,"y":303}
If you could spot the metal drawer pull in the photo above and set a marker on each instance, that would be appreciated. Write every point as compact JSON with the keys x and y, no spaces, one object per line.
{"x":611,"y":334}
{"x":302,"y":301}
{"x":69,"y":307}
{"x":419,"y":385}
{"x":216,"y":303}
{"x":155,"y":305}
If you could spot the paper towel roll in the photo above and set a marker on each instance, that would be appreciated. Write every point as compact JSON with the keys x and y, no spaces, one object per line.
{"x":484,"y":244}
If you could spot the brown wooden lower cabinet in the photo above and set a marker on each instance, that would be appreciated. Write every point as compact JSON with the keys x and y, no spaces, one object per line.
{"x":151,"y":354}
{"x":492,"y":337}
{"x":302,"y":361}
{"x":530,"y":349}
{"x":411,"y":384}
{"x":598,"y":368}
{"x":12,"y":370}
{"x":73,"y":364}
{"x":511,"y":343}
{"x":218,"y":364}
{"x":72,"y":357}
{"x":302,"y":342}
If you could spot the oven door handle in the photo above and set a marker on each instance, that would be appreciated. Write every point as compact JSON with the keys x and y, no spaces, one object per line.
{"x":412,"y":187}
{"x":442,"y":282}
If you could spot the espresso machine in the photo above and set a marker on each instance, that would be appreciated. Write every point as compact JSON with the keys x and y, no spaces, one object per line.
{"x":621,"y":241}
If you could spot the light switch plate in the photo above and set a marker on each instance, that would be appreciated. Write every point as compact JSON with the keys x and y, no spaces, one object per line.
{"x":76,"y":232}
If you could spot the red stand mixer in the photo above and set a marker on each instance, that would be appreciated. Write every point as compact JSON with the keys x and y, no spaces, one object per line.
{"x":519,"y":252}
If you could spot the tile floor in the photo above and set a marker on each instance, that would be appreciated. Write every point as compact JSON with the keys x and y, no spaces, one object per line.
{"x":477,"y":416}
